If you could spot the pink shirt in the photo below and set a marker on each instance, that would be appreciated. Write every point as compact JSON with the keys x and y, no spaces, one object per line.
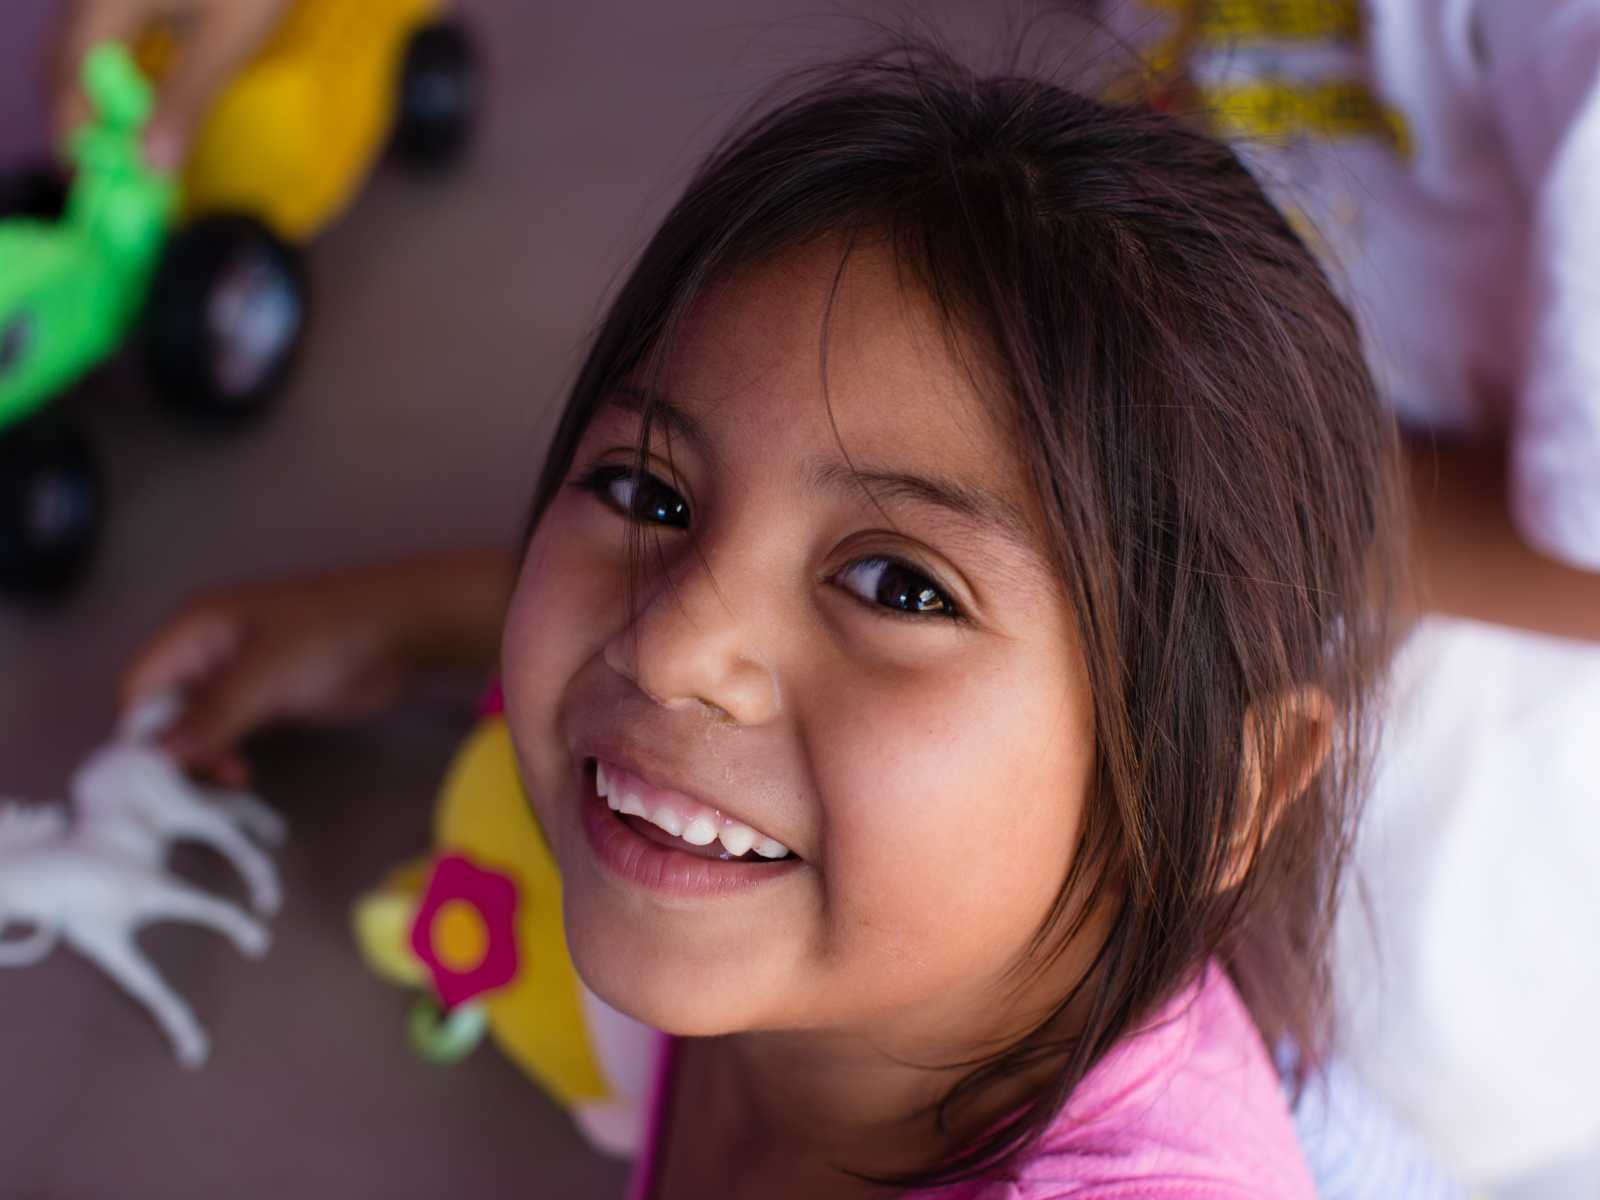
{"x":1189,"y":1108}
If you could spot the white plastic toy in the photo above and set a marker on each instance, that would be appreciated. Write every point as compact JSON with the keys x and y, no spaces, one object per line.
{"x":95,"y":879}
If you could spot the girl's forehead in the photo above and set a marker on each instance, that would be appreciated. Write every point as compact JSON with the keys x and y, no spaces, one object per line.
{"x":842,"y":351}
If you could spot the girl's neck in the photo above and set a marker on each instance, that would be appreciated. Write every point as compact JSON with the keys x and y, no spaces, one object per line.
{"x":786,"y":1114}
{"x":774,"y":1115}
{"x":839,"y":1098}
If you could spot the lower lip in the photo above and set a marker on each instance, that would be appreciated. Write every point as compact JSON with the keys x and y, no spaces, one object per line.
{"x":637,"y":860}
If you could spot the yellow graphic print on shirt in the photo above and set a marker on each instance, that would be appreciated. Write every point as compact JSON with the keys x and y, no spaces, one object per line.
{"x":1273,"y":110}
{"x":1279,"y":20}
{"x":1270,"y":107}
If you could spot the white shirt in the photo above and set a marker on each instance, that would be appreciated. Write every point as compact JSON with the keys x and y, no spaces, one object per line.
{"x":1470,"y":249}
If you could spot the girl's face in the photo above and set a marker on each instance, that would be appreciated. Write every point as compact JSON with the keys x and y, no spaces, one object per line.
{"x":845,"y":644}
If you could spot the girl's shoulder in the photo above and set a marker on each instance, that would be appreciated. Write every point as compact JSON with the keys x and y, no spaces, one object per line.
{"x":1188,"y":1108}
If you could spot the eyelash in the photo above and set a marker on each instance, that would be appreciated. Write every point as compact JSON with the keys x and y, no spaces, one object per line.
{"x":599,"y":481}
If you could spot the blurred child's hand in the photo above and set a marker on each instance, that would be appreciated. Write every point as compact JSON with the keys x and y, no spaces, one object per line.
{"x":321,"y":648}
{"x":219,"y":35}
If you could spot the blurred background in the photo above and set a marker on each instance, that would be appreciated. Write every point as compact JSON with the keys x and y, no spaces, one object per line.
{"x":449,"y":315}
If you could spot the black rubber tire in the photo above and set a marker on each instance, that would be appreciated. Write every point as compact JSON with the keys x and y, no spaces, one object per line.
{"x":38,"y":191}
{"x":203,"y":361}
{"x":52,"y":507}
{"x":440,"y":94}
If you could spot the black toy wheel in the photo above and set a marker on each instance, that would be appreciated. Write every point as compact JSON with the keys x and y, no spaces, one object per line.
{"x":225,"y":317}
{"x":39,"y":192}
{"x":52,"y":505}
{"x":440,"y":92}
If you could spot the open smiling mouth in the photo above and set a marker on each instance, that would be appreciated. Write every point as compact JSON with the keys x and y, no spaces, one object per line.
{"x":677,"y":823}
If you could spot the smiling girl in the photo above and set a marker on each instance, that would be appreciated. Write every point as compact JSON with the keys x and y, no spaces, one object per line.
{"x":940,"y":658}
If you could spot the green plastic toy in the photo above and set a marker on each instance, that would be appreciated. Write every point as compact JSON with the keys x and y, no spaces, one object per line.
{"x":217,"y":305}
{"x":201,"y":278}
{"x":71,"y":289}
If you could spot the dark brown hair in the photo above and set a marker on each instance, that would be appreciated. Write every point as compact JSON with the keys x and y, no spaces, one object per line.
{"x":1190,"y":403}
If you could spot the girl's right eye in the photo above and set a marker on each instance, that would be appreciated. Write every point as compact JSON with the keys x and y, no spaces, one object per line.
{"x":639,"y":496}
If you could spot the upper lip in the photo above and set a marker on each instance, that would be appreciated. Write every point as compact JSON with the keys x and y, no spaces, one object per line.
{"x":615,"y":755}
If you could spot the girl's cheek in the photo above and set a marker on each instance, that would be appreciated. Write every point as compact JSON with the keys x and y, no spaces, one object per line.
{"x":569,"y":597}
{"x":951,"y":798}
{"x":573,"y":581}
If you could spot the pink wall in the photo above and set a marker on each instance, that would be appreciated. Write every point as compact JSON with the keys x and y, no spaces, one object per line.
{"x":22,"y":34}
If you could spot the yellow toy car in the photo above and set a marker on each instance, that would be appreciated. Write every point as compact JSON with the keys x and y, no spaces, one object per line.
{"x":282,"y":153}
{"x":296,"y":132}
{"x":205,"y":266}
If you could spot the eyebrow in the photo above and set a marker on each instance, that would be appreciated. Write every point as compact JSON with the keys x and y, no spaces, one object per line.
{"x":971,"y":503}
{"x":631,"y":398}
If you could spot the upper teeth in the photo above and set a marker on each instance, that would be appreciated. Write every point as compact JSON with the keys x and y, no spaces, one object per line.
{"x":737,"y":839}
{"x":701,"y":829}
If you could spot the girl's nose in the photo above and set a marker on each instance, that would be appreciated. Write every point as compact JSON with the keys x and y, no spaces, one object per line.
{"x":691,"y":644}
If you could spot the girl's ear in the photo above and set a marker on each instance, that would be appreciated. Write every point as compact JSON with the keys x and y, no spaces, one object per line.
{"x":1285,"y":744}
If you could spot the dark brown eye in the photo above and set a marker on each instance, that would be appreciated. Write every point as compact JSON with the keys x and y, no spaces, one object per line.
{"x":640,"y":497}
{"x":894,"y":585}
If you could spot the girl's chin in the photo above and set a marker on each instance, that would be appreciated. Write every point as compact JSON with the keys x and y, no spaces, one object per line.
{"x":691,"y":947}
{"x":682,"y":985}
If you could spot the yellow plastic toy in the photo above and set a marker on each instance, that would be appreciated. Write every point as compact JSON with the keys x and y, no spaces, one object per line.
{"x":475,"y":926}
{"x":294,"y":134}
{"x":282,"y":152}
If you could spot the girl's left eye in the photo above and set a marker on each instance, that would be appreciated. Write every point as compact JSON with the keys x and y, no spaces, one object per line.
{"x":894,"y":585}
{"x":638,"y":496}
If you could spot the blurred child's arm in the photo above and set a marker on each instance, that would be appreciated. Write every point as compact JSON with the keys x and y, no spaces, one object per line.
{"x":1468,"y":559}
{"x":218,"y":36}
{"x":325,"y":648}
